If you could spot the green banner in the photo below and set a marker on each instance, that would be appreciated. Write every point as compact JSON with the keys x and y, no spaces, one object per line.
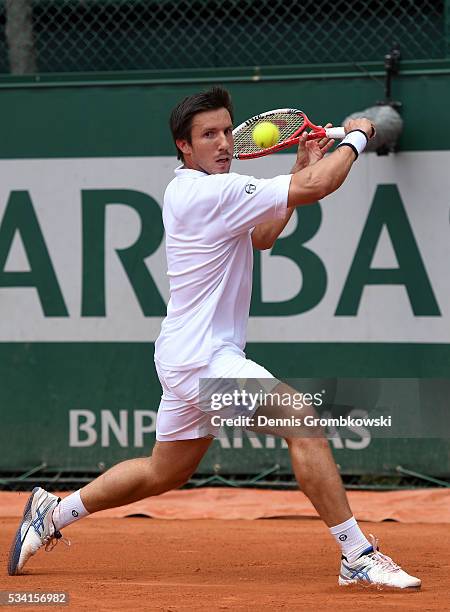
{"x":356,"y":286}
{"x":76,"y":407}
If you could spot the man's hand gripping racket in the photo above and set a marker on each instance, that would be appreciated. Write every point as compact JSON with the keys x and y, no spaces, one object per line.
{"x":291,"y":124}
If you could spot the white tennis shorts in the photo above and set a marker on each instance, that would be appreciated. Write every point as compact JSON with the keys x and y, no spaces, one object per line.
{"x":179,"y":415}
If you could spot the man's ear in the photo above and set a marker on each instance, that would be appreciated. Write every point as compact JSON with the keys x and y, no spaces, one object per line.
{"x":184,"y":146}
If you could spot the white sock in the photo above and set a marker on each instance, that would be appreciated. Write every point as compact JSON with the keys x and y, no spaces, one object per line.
{"x":351,"y":539}
{"x":69,"y":510}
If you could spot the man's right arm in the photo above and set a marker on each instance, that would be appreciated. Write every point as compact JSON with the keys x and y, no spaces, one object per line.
{"x":315,"y":182}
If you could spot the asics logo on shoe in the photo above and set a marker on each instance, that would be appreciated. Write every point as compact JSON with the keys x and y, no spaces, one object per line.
{"x":38,"y":523}
{"x":357,"y":573}
{"x":361,"y":574}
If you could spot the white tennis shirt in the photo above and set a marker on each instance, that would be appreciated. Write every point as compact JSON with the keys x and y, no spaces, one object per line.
{"x":208,"y":219}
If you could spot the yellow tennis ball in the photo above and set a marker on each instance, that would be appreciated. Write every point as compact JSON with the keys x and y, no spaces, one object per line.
{"x":266,"y":134}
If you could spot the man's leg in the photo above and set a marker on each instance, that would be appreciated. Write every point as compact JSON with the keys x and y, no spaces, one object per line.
{"x":314,"y":468}
{"x":169,"y":467}
{"x":316,"y":472}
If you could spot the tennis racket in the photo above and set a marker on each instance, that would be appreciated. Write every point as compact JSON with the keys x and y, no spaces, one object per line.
{"x":290,"y":121}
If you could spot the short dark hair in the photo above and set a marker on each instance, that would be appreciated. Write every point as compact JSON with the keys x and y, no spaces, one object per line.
{"x":183,"y":114}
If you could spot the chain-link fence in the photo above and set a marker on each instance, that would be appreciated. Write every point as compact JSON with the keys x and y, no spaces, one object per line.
{"x":98,"y":35}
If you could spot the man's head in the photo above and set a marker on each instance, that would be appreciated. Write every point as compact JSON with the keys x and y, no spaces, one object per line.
{"x":201,"y":127}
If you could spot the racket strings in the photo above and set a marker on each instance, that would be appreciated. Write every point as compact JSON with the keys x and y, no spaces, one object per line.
{"x":287,"y":123}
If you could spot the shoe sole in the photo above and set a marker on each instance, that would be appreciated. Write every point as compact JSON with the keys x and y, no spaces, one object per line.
{"x":16,"y":547}
{"x":373,"y":585}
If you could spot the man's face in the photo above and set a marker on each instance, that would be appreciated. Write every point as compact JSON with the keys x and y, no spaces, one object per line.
{"x":211,"y":146}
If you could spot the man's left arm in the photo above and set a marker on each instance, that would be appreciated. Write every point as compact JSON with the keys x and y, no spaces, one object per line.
{"x":309,"y":152}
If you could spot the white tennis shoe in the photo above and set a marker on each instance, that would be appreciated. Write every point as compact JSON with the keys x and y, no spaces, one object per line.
{"x":375,"y":568}
{"x":36,"y":529}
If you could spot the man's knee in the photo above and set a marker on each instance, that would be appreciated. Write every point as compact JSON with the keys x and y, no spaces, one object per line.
{"x":172,"y":480}
{"x":181,"y":478}
{"x":173,"y":463}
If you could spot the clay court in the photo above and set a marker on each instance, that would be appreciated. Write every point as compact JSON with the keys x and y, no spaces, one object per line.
{"x":289,"y":563}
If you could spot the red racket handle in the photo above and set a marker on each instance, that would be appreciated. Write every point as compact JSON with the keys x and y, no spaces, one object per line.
{"x":333,"y":132}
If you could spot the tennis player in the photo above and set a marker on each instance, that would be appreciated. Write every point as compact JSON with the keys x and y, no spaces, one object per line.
{"x":213,"y":218}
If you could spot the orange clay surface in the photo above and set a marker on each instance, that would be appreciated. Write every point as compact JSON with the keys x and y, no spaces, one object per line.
{"x":273,"y":564}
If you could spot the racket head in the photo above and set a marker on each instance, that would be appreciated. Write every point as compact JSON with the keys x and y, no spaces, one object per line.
{"x":290,"y":121}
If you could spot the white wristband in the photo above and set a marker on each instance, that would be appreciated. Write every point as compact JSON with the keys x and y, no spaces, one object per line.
{"x":357,"y":139}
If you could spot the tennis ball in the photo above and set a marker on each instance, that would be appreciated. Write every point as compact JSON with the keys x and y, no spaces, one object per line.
{"x":266,"y":134}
